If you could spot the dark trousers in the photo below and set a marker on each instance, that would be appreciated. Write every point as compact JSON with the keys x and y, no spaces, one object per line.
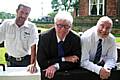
{"x":80,"y":74}
{"x":75,"y":74}
{"x":12,"y":62}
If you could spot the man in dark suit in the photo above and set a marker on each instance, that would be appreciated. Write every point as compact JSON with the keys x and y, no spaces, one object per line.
{"x":49,"y":56}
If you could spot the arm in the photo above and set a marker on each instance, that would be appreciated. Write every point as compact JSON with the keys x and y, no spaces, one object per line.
{"x":85,"y":59}
{"x":45,"y":56}
{"x":111,"y":58}
{"x":33,"y":42}
{"x":33,"y":54}
{"x":73,"y":54}
{"x":2,"y":31}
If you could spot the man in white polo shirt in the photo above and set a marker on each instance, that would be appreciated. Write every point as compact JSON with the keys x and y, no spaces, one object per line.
{"x":20,"y":38}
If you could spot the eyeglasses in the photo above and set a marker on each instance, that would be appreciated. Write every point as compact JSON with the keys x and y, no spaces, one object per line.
{"x":61,"y":26}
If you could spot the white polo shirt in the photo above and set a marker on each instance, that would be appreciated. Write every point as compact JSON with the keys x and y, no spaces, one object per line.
{"x":18,"y":40}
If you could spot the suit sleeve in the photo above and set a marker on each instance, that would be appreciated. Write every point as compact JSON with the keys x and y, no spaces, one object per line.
{"x":75,"y":50}
{"x":43,"y":55}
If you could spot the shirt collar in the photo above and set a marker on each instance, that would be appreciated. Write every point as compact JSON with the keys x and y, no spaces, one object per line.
{"x":58,"y":39}
{"x":24,"y":25}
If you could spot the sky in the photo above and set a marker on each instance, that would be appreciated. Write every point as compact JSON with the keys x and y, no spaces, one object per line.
{"x":39,"y":7}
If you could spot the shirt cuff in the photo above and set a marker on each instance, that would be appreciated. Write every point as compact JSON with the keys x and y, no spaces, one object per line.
{"x":97,"y":69}
{"x":56,"y":65}
{"x":63,"y":59}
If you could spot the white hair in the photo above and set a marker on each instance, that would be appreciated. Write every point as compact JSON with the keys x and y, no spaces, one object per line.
{"x":64,"y":15}
{"x":103,"y":19}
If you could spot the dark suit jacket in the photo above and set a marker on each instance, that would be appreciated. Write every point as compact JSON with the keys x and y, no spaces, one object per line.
{"x":47,"y":53}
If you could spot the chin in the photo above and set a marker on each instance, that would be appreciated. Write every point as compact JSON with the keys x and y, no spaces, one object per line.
{"x":105,"y":36}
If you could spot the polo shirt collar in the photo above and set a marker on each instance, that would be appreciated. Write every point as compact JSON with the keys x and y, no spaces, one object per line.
{"x":24,"y":25}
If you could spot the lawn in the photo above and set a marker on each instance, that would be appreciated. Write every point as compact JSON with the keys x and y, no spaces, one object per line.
{"x":117,"y":39}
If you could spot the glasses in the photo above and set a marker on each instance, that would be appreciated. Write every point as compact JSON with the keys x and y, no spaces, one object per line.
{"x":61,"y":26}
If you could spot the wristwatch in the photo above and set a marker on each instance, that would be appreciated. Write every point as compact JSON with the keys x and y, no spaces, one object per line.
{"x":56,"y":66}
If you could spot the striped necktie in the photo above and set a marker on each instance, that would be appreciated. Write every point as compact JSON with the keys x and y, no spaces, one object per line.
{"x":98,"y":52}
{"x":60,"y":49}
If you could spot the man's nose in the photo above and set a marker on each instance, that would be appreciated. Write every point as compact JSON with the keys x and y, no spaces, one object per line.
{"x":104,"y":30}
{"x":24,"y":16}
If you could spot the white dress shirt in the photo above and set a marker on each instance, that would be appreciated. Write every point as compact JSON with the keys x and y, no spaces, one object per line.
{"x":63,"y":59}
{"x":89,"y":41}
{"x":18,"y":40}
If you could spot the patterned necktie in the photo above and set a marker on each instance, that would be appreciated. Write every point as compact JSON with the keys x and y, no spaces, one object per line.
{"x":60,"y":49}
{"x":98,"y":52}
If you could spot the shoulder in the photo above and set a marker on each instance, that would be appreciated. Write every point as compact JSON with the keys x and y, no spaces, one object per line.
{"x":47,"y":34}
{"x":30,"y":24}
{"x":88,"y":35}
{"x":111,"y":37}
{"x":89,"y":32}
{"x":74,"y":34}
{"x":110,"y":40}
{"x":8,"y":21}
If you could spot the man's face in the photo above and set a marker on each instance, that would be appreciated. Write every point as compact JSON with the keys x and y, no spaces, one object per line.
{"x":62,"y":28}
{"x":22,"y":14}
{"x":104,"y":29}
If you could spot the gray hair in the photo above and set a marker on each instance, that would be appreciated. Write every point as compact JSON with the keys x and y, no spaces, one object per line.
{"x":64,"y":15}
{"x":103,"y":19}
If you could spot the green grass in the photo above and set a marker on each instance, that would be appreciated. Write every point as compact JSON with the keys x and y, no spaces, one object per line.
{"x":2,"y":54}
{"x":117,"y":39}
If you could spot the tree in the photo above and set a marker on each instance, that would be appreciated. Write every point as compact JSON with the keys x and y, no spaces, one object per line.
{"x":4,"y":15}
{"x":64,"y":4}
{"x":52,"y":14}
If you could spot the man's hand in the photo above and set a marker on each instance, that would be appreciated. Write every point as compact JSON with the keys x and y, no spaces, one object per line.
{"x":104,"y":73}
{"x":32,"y":68}
{"x":73,"y":58}
{"x":50,"y":71}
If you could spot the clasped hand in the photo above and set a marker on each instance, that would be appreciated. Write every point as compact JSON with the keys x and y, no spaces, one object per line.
{"x":104,"y":73}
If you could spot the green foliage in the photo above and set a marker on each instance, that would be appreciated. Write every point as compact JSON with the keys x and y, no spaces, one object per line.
{"x":52,"y":14}
{"x":4,"y":15}
{"x":46,"y":26}
{"x":55,"y":5}
{"x":64,"y":4}
{"x":116,"y":35}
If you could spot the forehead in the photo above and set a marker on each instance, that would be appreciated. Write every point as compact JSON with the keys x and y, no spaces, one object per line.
{"x":62,"y":21}
{"x":105,"y":23}
{"x":24,"y":8}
